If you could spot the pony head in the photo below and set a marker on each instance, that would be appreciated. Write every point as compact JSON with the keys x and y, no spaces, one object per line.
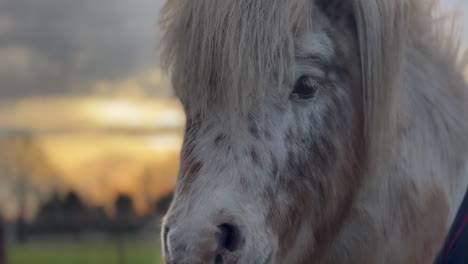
{"x":284,"y":103}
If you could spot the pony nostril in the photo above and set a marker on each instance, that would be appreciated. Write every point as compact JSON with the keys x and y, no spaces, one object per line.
{"x":229,"y":238}
{"x":219,"y":259}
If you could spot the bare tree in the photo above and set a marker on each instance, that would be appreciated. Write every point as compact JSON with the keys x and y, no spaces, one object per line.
{"x":23,"y":165}
{"x":125,"y":213}
{"x":3,"y":257}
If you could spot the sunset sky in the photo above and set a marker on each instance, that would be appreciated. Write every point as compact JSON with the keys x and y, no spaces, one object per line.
{"x":83,"y":77}
{"x":102,"y":145}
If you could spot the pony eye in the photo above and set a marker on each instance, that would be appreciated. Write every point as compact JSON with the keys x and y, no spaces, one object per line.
{"x":305,"y":88}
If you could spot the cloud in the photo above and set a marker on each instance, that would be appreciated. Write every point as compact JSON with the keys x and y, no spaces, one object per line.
{"x":63,"y":46}
{"x":459,"y":8}
{"x":67,"y":46}
{"x":6,"y":24}
{"x":23,"y":69}
{"x":137,"y":85}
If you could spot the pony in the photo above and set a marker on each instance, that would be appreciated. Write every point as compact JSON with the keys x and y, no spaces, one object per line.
{"x":317,"y":131}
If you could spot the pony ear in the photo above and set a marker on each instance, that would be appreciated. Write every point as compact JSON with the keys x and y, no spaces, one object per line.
{"x":336,"y":9}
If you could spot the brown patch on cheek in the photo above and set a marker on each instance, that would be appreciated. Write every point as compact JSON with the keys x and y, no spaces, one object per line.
{"x":332,"y":219}
{"x":321,"y":200}
{"x":333,"y":185}
{"x":285,"y":218}
{"x":325,"y":177}
{"x":339,"y":193}
{"x":339,"y":189}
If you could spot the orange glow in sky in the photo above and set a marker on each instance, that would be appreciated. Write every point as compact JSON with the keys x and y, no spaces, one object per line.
{"x":101,"y":146}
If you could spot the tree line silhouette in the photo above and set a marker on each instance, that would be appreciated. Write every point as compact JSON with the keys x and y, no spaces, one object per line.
{"x":70,"y":216}
{"x":23,"y":164}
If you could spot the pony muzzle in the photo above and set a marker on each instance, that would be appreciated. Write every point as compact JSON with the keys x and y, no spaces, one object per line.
{"x":212,"y":244}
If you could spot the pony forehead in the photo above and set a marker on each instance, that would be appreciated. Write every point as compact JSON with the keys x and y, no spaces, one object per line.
{"x":227,"y":51}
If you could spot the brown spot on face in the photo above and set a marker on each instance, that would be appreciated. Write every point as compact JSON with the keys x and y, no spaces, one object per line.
{"x":268,"y":134}
{"x":195,"y":169}
{"x":291,"y":159}
{"x":255,"y":157}
{"x":274,"y":164}
{"x":289,"y":135}
{"x":209,"y":127}
{"x":254,"y":131}
{"x":220,"y":139}
{"x":318,"y":154}
{"x":190,"y":175}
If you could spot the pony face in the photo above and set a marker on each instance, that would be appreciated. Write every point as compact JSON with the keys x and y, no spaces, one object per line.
{"x":271,"y":177}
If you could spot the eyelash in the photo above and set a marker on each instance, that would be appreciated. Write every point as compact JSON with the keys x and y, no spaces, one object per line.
{"x":305,"y":88}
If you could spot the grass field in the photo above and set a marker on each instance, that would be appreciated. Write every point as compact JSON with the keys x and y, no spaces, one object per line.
{"x":84,"y":254}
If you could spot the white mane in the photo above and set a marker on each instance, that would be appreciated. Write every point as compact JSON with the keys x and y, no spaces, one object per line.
{"x":236,"y":47}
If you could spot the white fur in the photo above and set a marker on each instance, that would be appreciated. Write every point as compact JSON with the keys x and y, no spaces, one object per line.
{"x":243,"y":57}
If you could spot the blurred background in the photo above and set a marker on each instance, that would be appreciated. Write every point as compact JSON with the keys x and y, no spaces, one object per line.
{"x":90,"y":131}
